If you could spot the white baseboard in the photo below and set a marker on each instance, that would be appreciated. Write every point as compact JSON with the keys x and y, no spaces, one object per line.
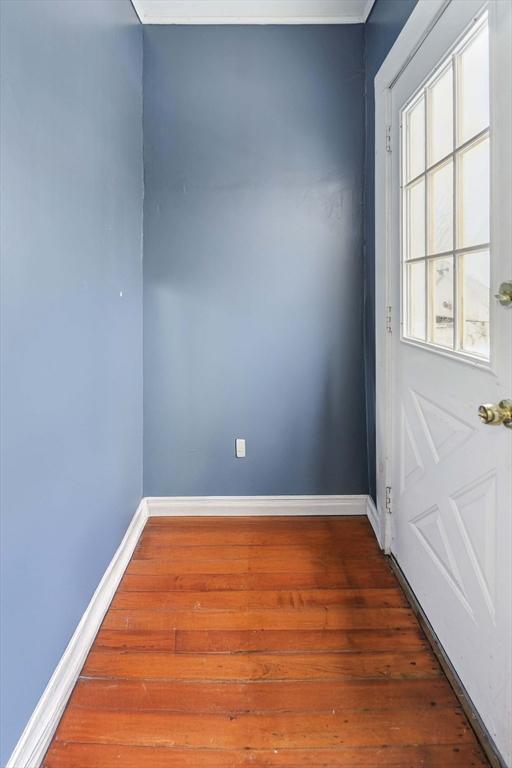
{"x":36,"y":738}
{"x":256,"y":505}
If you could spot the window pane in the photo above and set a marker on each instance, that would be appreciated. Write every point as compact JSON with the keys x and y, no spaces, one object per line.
{"x":473,"y":87}
{"x":441,"y":301}
{"x":415,"y":139}
{"x":415,"y":293}
{"x":415,"y":220}
{"x":473,"y":194}
{"x":440,"y":117}
{"x":440,"y":209}
{"x":475,"y":287}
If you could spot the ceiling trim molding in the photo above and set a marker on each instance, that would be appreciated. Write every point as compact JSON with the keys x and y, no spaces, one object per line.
{"x":368,"y":9}
{"x":222,"y":12}
{"x":241,"y":20}
{"x":136,"y":11}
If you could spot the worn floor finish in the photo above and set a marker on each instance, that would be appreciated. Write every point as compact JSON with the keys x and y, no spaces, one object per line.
{"x":261,"y":642}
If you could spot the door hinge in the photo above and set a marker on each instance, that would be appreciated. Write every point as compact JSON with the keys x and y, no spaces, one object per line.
{"x":388,"y":499}
{"x":388,"y":138}
{"x":389,"y":319}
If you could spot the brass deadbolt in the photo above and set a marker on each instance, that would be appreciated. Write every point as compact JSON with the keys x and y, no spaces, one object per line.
{"x":494,"y":414}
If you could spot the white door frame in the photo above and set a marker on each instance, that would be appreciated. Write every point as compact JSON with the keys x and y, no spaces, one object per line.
{"x":420,"y":23}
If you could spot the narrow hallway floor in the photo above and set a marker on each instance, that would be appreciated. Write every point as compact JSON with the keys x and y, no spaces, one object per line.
{"x":261,"y":641}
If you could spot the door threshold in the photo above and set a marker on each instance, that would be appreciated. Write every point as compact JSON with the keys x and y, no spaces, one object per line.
{"x":482,"y":734}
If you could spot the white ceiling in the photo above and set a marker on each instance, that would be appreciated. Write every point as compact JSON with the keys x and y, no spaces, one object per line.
{"x":253,"y":11}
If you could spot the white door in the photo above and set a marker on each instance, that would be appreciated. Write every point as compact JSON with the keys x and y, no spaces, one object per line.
{"x":451,"y":206}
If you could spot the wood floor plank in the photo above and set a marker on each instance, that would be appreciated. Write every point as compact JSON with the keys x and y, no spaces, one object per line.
{"x":204,"y":524}
{"x":77,"y":755}
{"x":308,"y":618}
{"x":275,"y":731}
{"x":293,"y":641}
{"x":342,"y":576}
{"x":303,"y":565}
{"x":236,"y":698}
{"x":248,"y":599}
{"x":312,"y":567}
{"x":263,"y":642}
{"x":246,"y":641}
{"x":326,"y":547}
{"x":140,"y":640}
{"x":260,"y":666}
{"x":293,"y":538}
{"x":207,"y":524}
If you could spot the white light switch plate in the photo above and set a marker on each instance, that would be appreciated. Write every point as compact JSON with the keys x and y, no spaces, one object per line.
{"x":240,"y":448}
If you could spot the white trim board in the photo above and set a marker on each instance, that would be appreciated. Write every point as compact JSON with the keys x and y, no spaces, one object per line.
{"x":36,"y":738}
{"x":253,"y":11}
{"x":256,"y":505}
{"x":374,"y":519}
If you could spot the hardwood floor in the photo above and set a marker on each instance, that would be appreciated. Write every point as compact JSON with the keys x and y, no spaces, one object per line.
{"x":261,"y":642}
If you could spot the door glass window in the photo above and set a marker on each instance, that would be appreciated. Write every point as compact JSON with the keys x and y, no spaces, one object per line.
{"x":445,"y":202}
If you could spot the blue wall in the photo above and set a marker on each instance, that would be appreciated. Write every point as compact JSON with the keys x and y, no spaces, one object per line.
{"x":71,"y":387}
{"x":382,"y":27}
{"x":253,"y":270}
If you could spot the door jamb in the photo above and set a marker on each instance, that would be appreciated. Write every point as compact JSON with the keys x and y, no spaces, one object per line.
{"x":418,"y":26}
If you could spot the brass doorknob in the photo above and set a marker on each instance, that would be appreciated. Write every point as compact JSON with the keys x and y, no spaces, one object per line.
{"x":500,"y":413}
{"x":505,"y":294}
